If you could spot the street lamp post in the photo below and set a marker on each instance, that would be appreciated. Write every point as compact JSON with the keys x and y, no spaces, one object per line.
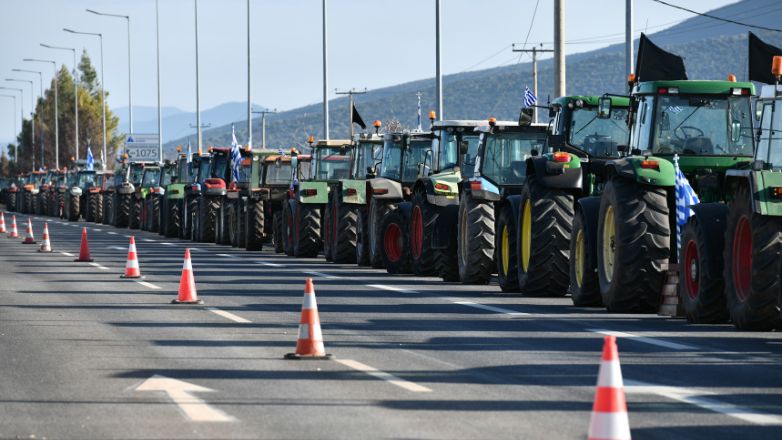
{"x":325,"y":75}
{"x":21,"y":113}
{"x":32,"y":116}
{"x":56,"y":111}
{"x":249,"y":85}
{"x":14,"y":98}
{"x":40,"y":85}
{"x":102,"y":87}
{"x":75,"y":95}
{"x":157,"y":67}
{"x":130,"y":82}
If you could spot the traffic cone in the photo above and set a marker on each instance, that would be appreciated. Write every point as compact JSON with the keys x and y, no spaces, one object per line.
{"x":187,"y":288}
{"x":2,"y":223}
{"x":29,"y":239}
{"x":609,"y":413}
{"x":131,"y":267}
{"x":45,"y":245}
{"x":84,"y":248}
{"x":13,"y":233}
{"x":310,"y":342}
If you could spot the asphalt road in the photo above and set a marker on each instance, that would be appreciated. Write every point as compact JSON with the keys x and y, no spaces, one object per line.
{"x":413,"y":357}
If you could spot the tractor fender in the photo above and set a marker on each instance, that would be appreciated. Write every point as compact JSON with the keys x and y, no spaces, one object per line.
{"x":515,"y":205}
{"x":630,"y":168}
{"x":554,"y":175}
{"x":446,"y":226}
{"x":589,"y":207}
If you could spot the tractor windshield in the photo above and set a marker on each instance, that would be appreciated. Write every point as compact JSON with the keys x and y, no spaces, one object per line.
{"x":136,"y":171}
{"x":151,"y":177}
{"x":167,"y":176}
{"x":473,"y":141}
{"x":416,"y":155}
{"x":183,"y":169}
{"x":770,"y":145}
{"x":86,"y":179}
{"x":702,"y":125}
{"x":505,"y":155}
{"x":203,"y":170}
{"x":278,"y":173}
{"x":391,"y":166}
{"x":369,"y":154}
{"x":598,"y":136}
{"x":332,"y":163}
{"x":219,"y":165}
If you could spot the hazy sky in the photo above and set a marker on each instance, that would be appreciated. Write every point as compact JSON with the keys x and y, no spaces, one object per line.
{"x":372,"y":43}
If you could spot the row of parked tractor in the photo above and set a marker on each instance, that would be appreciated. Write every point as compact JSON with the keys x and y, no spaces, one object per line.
{"x":584,"y":205}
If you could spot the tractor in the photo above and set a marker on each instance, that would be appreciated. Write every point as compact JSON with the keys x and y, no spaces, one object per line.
{"x":227,"y":224}
{"x":302,"y":214}
{"x":556,"y":195}
{"x":705,"y":127}
{"x":79,"y":185}
{"x":153,"y":202}
{"x":93,"y":198}
{"x":279,"y":173}
{"x":124,"y":209}
{"x":346,"y":214}
{"x":195,"y":218}
{"x":150,"y":176}
{"x":172,"y":203}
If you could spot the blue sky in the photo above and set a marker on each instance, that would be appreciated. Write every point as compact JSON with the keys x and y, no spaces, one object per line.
{"x":373,"y":43}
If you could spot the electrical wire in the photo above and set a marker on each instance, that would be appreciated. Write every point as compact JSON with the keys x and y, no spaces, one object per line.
{"x":716,"y":18}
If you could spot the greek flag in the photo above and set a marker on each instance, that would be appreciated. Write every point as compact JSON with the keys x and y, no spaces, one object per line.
{"x":189,"y":152}
{"x":529,"y":98}
{"x":90,"y":159}
{"x":419,"y":113}
{"x":236,"y":155}
{"x":685,"y":198}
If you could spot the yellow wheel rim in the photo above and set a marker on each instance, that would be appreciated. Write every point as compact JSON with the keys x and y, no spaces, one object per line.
{"x":579,"y":258}
{"x":609,"y":239}
{"x":505,"y":251}
{"x":526,"y":234}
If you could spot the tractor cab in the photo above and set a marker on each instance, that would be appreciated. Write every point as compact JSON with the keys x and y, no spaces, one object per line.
{"x":331,"y":160}
{"x":402,"y":153}
{"x":579,"y":127}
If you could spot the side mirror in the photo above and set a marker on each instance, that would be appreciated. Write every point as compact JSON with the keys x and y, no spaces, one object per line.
{"x":758,"y":111}
{"x":621,"y":148}
{"x":464,"y":146}
{"x":370,"y":172}
{"x":525,"y":116}
{"x":552,"y":112}
{"x":604,"y":107}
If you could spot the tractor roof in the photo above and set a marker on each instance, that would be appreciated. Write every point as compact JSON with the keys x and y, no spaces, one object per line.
{"x":701,"y":87}
{"x":767,"y":91}
{"x":513,"y":126}
{"x":332,"y":143}
{"x":458,"y":123}
{"x":616,"y":101}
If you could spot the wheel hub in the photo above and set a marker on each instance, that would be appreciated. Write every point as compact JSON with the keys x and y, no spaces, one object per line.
{"x":526,"y":235}
{"x":609,"y":245}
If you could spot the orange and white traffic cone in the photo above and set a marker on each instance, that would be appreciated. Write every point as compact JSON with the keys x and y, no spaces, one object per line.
{"x":310,"y":342}
{"x":30,"y":238}
{"x":609,"y":412}
{"x":187,"y":288}
{"x":46,"y":246}
{"x":131,"y":267}
{"x":13,"y":233}
{"x":2,"y":223}
{"x":84,"y":248}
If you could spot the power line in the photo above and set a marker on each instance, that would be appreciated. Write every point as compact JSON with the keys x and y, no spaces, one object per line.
{"x":531,"y":22}
{"x":716,"y":18}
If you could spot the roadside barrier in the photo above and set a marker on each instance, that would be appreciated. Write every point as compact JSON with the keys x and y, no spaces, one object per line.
{"x":310,"y":342}
{"x":609,"y":412}
{"x":132,"y":269}
{"x":187,"y":288}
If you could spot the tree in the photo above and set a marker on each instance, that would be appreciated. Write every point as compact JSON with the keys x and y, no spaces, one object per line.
{"x":4,"y":166}
{"x":89,"y":77}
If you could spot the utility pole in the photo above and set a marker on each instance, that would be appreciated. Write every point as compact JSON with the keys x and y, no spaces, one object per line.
{"x":263,"y":114}
{"x":534,"y":52}
{"x":325,"y":75}
{"x":350,"y":94}
{"x":249,"y":85}
{"x":198,"y":88}
{"x":629,"y":37}
{"x":560,"y":84}
{"x":438,"y":71}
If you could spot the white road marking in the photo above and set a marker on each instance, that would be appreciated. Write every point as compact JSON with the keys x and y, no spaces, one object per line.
{"x":98,"y":266}
{"x":112,"y":233}
{"x":266,"y":263}
{"x":322,"y":275}
{"x":645,"y":340}
{"x":126,"y":236}
{"x":195,"y":249}
{"x":67,"y":254}
{"x":228,"y":315}
{"x":148,"y":240}
{"x":391,"y":288}
{"x":119,"y":248}
{"x":390,"y":378}
{"x":490,"y":308}
{"x":148,"y":285}
{"x":167,"y":244}
{"x":699,"y":398}
{"x":181,"y":393}
{"x":96,"y":229}
{"x":227,"y":255}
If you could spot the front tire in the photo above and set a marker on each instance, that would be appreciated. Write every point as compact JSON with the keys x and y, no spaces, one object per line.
{"x":255,"y":221}
{"x":507,"y":263}
{"x":633,"y":245}
{"x":345,"y":218}
{"x":584,"y":286}
{"x":476,"y":240}
{"x":423,"y":218}
{"x":362,"y":236}
{"x":306,"y":231}
{"x":396,"y":236}
{"x":377,"y":211}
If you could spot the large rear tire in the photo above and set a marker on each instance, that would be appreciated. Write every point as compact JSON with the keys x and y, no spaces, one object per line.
{"x":11,"y":200}
{"x":232,"y":221}
{"x":633,"y":245}
{"x":287,"y":227}
{"x":255,"y":221}
{"x":306,"y":232}
{"x":278,"y":235}
{"x":93,"y":208}
{"x":396,"y":236}
{"x":377,"y":211}
{"x":701,"y":264}
{"x":345,"y":219}
{"x":507,"y":263}
{"x":154,"y":213}
{"x":584,"y":286}
{"x":330,"y":227}
{"x":174,"y":220}
{"x":423,"y":218}
{"x":135,"y":217}
{"x":211,"y":209}
{"x":73,"y":208}
{"x":475,"y":240}
{"x":362,"y":236}
{"x":545,"y":226}
{"x":753,"y":245}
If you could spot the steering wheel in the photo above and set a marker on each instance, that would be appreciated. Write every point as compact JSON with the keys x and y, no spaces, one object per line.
{"x":684,"y":129}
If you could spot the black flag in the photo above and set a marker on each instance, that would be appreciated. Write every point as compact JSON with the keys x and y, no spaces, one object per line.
{"x":654,"y":64}
{"x":357,"y":118}
{"x":760,"y":56}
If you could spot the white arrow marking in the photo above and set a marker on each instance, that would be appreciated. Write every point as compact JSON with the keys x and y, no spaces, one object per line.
{"x":180,"y":393}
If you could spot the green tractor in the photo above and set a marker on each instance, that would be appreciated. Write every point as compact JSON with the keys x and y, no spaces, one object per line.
{"x":279,"y":174}
{"x":346,"y":214}
{"x":124,"y":211}
{"x":152,"y":213}
{"x":302,"y":214}
{"x":93,"y":199}
{"x":172,"y":203}
{"x":730,"y":254}
{"x":493,"y":176}
{"x":556,"y":196}
{"x":79,"y":186}
{"x":707,"y":127}
{"x":150,"y":178}
{"x":199,"y":172}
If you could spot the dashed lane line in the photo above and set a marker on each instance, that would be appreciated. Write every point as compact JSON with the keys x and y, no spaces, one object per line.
{"x":701,"y":399}
{"x":227,"y":256}
{"x":322,"y":275}
{"x":645,"y":340}
{"x":388,"y":377}
{"x":148,"y":240}
{"x":228,"y":315}
{"x":489,"y":308}
{"x":266,"y":263}
{"x":97,"y":230}
{"x":98,"y":266}
{"x":118,"y":248}
{"x":391,"y":288}
{"x":148,"y":285}
{"x":165,"y":243}
{"x":112,"y":233}
{"x":67,"y":254}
